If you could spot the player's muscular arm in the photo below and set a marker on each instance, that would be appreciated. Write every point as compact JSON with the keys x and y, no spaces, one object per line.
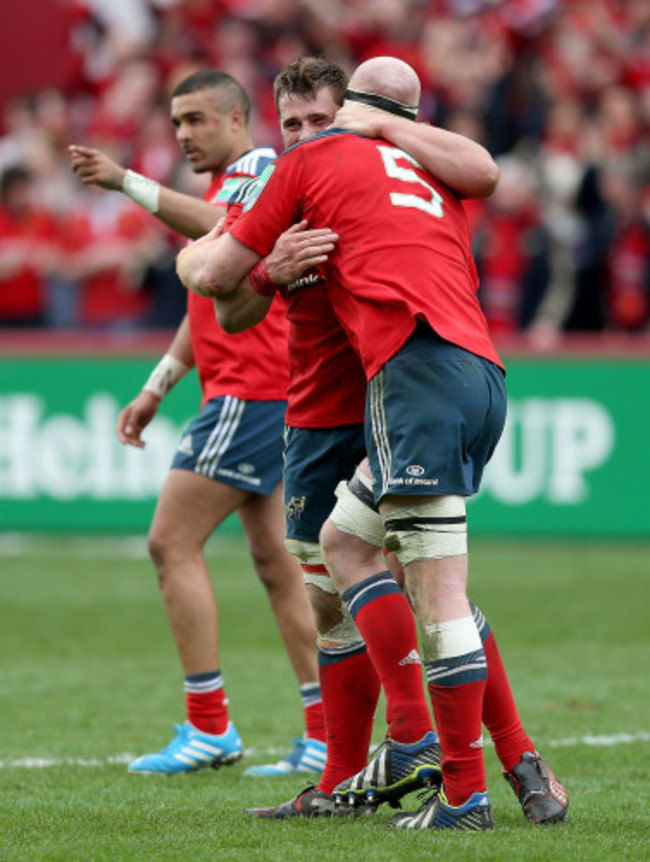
{"x":215,"y":266}
{"x":189,"y":216}
{"x":181,"y":346}
{"x":138,"y":414}
{"x":462,"y":164}
{"x":295,"y":251}
{"x":241,"y":308}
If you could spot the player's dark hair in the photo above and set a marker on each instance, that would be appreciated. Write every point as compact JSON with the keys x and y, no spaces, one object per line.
{"x":212,"y":79}
{"x":306,"y":76}
{"x":13,"y":176}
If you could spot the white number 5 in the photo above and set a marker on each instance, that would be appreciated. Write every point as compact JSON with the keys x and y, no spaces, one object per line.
{"x":390,"y":156}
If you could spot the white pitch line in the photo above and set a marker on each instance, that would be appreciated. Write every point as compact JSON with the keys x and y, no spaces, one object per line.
{"x":592,"y":740}
{"x":599,"y":741}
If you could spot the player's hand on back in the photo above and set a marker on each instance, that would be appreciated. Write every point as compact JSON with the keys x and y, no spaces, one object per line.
{"x":298,"y":249}
{"x":94,"y":167}
{"x":360,"y":119}
{"x":135,"y":417}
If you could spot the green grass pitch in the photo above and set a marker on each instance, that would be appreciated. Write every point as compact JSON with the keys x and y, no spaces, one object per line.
{"x":90,"y":677}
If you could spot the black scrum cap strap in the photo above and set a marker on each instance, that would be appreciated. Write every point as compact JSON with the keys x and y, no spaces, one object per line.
{"x":392,"y":106}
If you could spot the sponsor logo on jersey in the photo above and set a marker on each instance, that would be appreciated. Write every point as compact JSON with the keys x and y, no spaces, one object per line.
{"x":309,"y":280}
{"x":246,"y":469}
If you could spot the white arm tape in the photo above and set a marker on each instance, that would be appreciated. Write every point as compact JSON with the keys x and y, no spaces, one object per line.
{"x":142,"y":190}
{"x":165,"y":375}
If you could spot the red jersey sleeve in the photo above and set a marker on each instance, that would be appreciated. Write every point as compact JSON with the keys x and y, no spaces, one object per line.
{"x":252,"y":365}
{"x":273,"y":206}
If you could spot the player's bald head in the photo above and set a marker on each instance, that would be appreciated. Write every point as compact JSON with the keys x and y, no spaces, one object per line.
{"x":387,"y":76}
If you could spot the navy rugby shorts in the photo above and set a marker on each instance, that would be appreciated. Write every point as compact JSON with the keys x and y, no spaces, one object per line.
{"x":315,"y":461}
{"x":236,"y":442}
{"x":434,"y":415}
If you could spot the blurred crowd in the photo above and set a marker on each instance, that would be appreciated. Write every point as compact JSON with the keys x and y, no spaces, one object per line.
{"x":559,"y":92}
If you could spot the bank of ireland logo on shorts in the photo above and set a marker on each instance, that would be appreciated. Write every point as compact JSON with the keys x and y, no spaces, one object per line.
{"x":295,"y":508}
{"x":415,"y":476}
{"x":415,"y":470}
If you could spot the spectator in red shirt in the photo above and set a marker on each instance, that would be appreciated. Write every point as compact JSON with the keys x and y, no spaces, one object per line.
{"x":28,"y":251}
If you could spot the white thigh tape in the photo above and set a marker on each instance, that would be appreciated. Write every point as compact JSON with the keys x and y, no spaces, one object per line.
{"x":306,"y":552}
{"x":354,"y":513}
{"x":428,"y":531}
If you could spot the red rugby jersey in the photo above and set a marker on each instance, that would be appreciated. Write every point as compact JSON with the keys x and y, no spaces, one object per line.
{"x":252,"y":365}
{"x":404,"y":245}
{"x":327,"y":384}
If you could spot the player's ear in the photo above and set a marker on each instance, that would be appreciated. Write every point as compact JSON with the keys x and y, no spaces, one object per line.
{"x":237,"y":119}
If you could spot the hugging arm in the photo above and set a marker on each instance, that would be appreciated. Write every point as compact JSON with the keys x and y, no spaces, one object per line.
{"x":206,"y":268}
{"x":459,"y":162}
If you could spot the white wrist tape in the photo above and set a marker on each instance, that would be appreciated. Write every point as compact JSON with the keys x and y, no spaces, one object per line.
{"x":165,"y":375}
{"x":142,"y":190}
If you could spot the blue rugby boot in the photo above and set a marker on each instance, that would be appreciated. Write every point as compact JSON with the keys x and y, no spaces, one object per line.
{"x":190,"y":750}
{"x":395,"y":770}
{"x":308,"y":757}
{"x":475,"y":815}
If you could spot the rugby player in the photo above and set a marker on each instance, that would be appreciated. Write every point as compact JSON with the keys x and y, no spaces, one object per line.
{"x":230,"y":457}
{"x":410,"y":717}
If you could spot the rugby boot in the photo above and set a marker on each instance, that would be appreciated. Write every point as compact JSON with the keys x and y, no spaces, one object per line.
{"x":395,"y":770}
{"x":542,"y":797}
{"x":475,"y":815}
{"x":191,"y":749}
{"x":310,"y":802}
{"x":308,"y":756}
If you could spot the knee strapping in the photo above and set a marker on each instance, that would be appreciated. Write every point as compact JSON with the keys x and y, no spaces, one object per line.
{"x":355,"y":511}
{"x":428,"y":531}
{"x":344,"y":633}
{"x":321,"y":582}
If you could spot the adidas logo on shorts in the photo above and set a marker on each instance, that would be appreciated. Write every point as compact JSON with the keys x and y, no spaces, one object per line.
{"x":186,"y":445}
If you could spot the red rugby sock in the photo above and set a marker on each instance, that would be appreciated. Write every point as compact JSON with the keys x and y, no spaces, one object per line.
{"x":206,"y":702}
{"x":350,"y":688}
{"x":457,"y":710}
{"x":500,"y":714}
{"x":385,"y":620}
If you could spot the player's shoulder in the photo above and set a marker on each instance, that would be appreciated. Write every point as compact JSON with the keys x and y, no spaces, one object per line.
{"x":329,"y":135}
{"x":252,"y":163}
